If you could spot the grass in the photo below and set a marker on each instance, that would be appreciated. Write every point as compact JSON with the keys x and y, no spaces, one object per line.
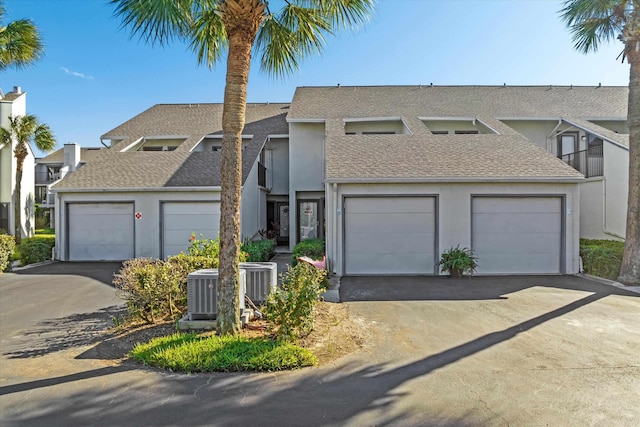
{"x":602,"y":258}
{"x":48,"y":232}
{"x":191,"y":352}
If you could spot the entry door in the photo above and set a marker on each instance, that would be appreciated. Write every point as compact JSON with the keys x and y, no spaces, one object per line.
{"x":283,"y":221}
{"x":310,"y":219}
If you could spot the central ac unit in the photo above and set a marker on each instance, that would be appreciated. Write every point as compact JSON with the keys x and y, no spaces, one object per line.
{"x":201,"y":293}
{"x":262,"y":278}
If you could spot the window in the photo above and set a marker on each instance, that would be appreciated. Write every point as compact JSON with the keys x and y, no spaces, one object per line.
{"x":4,"y":217}
{"x":216,"y":148}
{"x":440,"y":132}
{"x":151,"y":148}
{"x":379,"y":132}
{"x":466,"y":132}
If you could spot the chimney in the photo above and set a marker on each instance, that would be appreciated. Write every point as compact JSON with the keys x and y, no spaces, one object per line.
{"x":17,"y":90}
{"x":71,"y":156}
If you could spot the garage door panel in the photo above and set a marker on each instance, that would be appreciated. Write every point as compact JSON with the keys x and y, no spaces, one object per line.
{"x":389,"y":264}
{"x":100,"y":231}
{"x":390,"y":235}
{"x":517,"y":234}
{"x":394,"y":223}
{"x":181,"y":219}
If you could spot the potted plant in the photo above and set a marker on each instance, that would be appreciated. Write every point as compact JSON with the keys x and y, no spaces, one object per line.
{"x":458,"y":261}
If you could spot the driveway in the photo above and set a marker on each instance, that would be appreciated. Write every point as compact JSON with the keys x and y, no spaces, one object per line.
{"x":485,"y":351}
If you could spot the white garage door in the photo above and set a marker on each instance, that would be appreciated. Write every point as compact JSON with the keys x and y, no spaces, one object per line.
{"x":389,"y":235}
{"x":100,"y":231}
{"x":181,"y":219}
{"x":517,"y":235}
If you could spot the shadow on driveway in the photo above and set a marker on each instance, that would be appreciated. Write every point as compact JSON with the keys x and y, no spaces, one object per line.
{"x":101,"y":271}
{"x":434,"y":288}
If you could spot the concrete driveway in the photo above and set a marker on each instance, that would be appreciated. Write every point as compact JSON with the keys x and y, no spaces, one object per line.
{"x":485,"y":351}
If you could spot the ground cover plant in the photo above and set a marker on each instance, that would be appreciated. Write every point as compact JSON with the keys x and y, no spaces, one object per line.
{"x":601,"y":258}
{"x":7,"y":248}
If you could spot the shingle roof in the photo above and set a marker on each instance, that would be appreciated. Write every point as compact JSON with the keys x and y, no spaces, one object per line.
{"x":113,"y":169}
{"x":86,"y":154}
{"x":421,"y":155}
{"x":622,"y":139}
{"x":491,"y":101}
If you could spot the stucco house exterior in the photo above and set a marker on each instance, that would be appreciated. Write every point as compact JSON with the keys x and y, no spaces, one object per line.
{"x":390,"y":176}
{"x":14,"y":104}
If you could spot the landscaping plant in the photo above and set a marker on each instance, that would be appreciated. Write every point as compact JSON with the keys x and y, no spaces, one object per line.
{"x":7,"y":247}
{"x":601,"y":258}
{"x":290,"y":307}
{"x":259,"y":250}
{"x":36,"y":249}
{"x":458,"y":261}
{"x":312,"y":248}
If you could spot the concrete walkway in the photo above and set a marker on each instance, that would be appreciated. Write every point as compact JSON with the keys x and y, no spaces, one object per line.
{"x":481,"y":352}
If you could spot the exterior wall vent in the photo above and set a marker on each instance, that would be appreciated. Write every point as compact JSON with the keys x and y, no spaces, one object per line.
{"x":262,"y":278}
{"x":201,"y":293}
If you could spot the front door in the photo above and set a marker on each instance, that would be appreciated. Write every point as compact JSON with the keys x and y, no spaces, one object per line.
{"x":283,"y":223}
{"x":310,"y":219}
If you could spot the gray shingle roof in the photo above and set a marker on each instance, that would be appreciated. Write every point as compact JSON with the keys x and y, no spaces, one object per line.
{"x":113,"y":169}
{"x":57,"y":157}
{"x":491,"y":101}
{"x":421,"y":155}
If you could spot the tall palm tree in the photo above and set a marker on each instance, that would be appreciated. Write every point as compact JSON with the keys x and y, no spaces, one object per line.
{"x":238,"y":27}
{"x":21,"y":131}
{"x":592,"y":22}
{"x":20,"y":43}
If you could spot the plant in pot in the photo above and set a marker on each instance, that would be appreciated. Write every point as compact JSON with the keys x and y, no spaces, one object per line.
{"x":458,"y":261}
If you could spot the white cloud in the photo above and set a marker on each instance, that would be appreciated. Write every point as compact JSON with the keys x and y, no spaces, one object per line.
{"x":76,"y":74}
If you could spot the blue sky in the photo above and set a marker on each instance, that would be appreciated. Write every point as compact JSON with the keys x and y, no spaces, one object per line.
{"x":94,"y":76}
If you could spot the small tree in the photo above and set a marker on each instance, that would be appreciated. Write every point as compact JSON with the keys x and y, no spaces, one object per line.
{"x":22,"y":130}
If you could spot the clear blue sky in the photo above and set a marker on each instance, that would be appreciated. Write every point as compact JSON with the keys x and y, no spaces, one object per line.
{"x":94,"y":76}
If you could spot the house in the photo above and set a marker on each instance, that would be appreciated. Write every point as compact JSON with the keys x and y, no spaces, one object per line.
{"x":159,"y":182}
{"x":51,"y":169}
{"x":14,"y":104}
{"x":390,"y":176}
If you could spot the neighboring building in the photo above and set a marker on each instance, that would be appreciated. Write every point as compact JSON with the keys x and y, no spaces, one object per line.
{"x":390,"y":176}
{"x":15,"y":104}
{"x":51,"y":169}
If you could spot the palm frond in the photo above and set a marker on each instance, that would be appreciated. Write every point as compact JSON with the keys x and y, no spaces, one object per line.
{"x":20,"y":44}
{"x":207,"y":35}
{"x":592,"y":22}
{"x":43,"y":138}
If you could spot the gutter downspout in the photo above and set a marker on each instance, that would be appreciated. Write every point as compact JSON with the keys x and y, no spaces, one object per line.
{"x":551,"y":134}
{"x":334,"y":248}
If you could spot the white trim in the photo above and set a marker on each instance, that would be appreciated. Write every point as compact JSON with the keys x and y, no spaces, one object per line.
{"x":165,"y":137}
{"x":137,"y":189}
{"x":448,"y":118}
{"x":588,"y":130}
{"x":278,"y":135}
{"x":554,"y":179}
{"x":305,"y":120}
{"x":133,"y":144}
{"x":370,"y":119}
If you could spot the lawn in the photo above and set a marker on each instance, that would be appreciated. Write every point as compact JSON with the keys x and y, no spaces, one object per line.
{"x":601,"y":258}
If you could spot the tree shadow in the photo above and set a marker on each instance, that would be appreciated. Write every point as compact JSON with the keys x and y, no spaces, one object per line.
{"x":101,"y":271}
{"x":76,"y":330}
{"x":339,"y":395}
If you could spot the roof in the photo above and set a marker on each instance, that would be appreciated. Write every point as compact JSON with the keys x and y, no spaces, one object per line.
{"x":619,"y":138}
{"x":311,"y":103}
{"x":114,"y":169}
{"x":86,"y":154}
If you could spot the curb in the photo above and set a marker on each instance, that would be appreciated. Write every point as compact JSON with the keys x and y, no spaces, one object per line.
{"x":602,"y":281}
{"x":28,"y":266}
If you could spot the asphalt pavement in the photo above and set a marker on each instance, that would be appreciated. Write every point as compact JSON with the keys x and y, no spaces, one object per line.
{"x":531,"y":350}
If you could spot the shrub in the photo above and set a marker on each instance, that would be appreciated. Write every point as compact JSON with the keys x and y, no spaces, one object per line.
{"x":7,"y":247}
{"x":259,"y":250}
{"x":312,"y":248}
{"x":151,"y":288}
{"x":36,"y":249}
{"x":204,"y":247}
{"x":602,"y":258}
{"x":290,"y":307}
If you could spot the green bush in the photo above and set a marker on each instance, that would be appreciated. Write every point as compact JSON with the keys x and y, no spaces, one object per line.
{"x":193,"y":353}
{"x":290,"y":307}
{"x":36,"y":249}
{"x":602,"y":258}
{"x":152,"y":289}
{"x":458,"y":261}
{"x":259,"y":250}
{"x":204,"y":247}
{"x":312,"y":248}
{"x":7,"y":247}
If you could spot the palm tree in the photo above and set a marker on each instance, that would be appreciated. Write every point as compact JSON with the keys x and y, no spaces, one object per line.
{"x":238,"y":27}
{"x":592,"y":22}
{"x":22,"y":130}
{"x":20,"y":43}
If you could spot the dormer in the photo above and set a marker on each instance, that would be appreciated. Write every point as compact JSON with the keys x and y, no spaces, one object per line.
{"x":456,"y":126}
{"x":214,"y":143}
{"x":157,"y":143}
{"x":375,"y":126}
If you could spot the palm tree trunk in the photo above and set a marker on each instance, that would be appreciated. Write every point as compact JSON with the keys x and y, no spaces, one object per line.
{"x":630,"y":269}
{"x":17,"y":196}
{"x":242,"y":20}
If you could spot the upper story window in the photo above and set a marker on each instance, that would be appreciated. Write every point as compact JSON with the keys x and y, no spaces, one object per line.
{"x":456,"y":126}
{"x":214,"y":143}
{"x":375,"y":126}
{"x":157,"y":143}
